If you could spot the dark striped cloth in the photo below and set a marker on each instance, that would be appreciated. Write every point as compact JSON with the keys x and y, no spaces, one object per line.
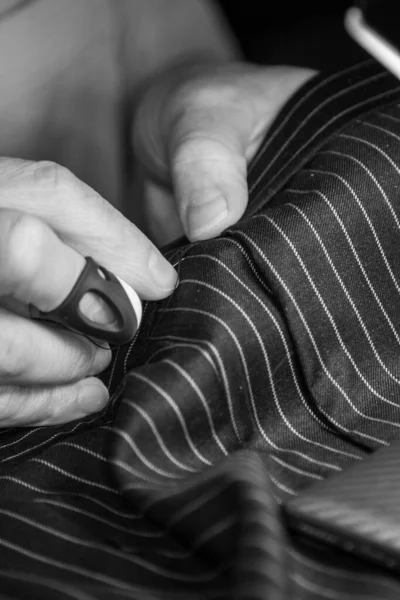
{"x":274,"y":365}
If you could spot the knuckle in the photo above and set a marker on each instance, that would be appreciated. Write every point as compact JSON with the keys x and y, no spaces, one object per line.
{"x":11,"y":363}
{"x":81,"y":360}
{"x":49,"y":174}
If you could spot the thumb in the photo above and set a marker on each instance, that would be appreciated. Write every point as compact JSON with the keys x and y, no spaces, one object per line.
{"x":191,"y":133}
{"x":208,"y":169}
{"x":208,"y":128}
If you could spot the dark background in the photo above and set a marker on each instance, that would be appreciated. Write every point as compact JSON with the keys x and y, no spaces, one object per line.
{"x":307,"y":33}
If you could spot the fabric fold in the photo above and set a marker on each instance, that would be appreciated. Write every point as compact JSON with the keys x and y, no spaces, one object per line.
{"x":272,"y":366}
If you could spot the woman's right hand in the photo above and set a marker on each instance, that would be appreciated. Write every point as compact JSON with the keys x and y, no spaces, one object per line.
{"x":49,"y":221}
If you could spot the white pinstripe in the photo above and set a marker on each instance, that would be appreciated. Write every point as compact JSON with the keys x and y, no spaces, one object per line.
{"x":19,"y":439}
{"x":349,"y":298}
{"x":225,"y":379}
{"x":348,"y":136}
{"x":110,"y":379}
{"x":336,"y":572}
{"x":337,"y":332}
{"x":303,"y":98}
{"x":265,"y":436}
{"x":387,"y":116}
{"x":171,"y":402}
{"x":198,"y":502}
{"x":387,"y":132}
{"x":159,"y":439}
{"x":360,"y":205}
{"x":157,"y":435}
{"x":289,"y":360}
{"x":74,"y":427}
{"x":270,"y":374}
{"x":92,"y":574}
{"x":321,"y":129}
{"x":354,"y":252}
{"x":202,"y":399}
{"x":213,"y":531}
{"x":296,"y":469}
{"x":123,"y":514}
{"x":136,"y":560}
{"x":317,"y":351}
{"x":143,"y":479}
{"x":193,"y":346}
{"x":281,"y":486}
{"x":47,"y":582}
{"x":149,"y":464}
{"x":85,"y":450}
{"x":75,"y":477}
{"x":322,"y":592}
{"x":95,"y":517}
{"x":263,"y":283}
{"x":177,"y":516}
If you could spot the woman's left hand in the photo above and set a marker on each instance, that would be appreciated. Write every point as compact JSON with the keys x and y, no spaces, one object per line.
{"x":195,"y":131}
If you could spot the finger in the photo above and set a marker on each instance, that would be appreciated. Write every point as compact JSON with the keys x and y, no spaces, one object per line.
{"x":180,"y":135}
{"x":37,"y":268}
{"x":86,"y":222}
{"x":28,"y":406}
{"x":36,"y":354}
{"x":217,"y":132}
{"x":209,"y":173}
{"x":212,"y":125}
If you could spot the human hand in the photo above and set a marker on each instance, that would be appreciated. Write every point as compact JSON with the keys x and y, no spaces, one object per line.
{"x":195,"y":130}
{"x":49,"y":221}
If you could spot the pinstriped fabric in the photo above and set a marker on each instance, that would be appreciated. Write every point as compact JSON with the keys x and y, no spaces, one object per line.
{"x":273,"y":366}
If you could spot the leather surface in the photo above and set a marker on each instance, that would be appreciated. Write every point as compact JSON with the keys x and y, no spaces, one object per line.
{"x":357,"y":510}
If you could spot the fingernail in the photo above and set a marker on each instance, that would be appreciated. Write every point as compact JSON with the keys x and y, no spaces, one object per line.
{"x":162,"y":272}
{"x":204,"y":218}
{"x":93,"y":396}
{"x":97,"y":310}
